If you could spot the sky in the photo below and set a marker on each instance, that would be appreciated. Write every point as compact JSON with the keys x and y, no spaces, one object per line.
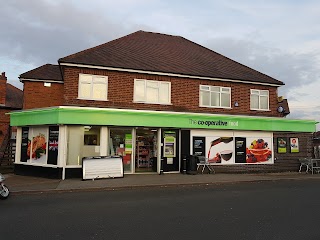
{"x":280,"y":38}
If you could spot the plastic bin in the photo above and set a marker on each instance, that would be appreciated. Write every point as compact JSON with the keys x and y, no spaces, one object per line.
{"x":192,"y":161}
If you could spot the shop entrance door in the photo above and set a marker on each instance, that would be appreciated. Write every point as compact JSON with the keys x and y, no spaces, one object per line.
{"x":170,"y":150}
{"x":146,"y":150}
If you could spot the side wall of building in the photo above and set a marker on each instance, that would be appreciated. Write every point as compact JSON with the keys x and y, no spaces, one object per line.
{"x":4,"y":124}
{"x":36,"y":95}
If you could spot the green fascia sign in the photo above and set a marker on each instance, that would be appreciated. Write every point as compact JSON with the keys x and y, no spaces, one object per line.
{"x":139,"y":118}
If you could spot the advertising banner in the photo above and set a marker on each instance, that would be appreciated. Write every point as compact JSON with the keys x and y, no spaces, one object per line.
{"x":240,"y":150}
{"x":37,"y":147}
{"x":53,"y":145}
{"x":282,"y":145}
{"x":259,"y":150}
{"x":199,"y":146}
{"x":24,"y":144}
{"x":220,"y":149}
{"x":294,"y":145}
{"x":128,"y":143}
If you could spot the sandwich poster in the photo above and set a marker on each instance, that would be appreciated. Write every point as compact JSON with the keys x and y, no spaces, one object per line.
{"x":282,"y":145}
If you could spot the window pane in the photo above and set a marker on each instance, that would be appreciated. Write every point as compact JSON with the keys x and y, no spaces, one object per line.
{"x":254,"y":102}
{"x":85,"y":90}
{"x":99,"y":91}
{"x":215,"y":89}
{"x":264,"y":103}
{"x":264,"y":92}
{"x":255,"y":92}
{"x":164,"y":93}
{"x":152,"y":84}
{"x":215,"y":99}
{"x":204,"y":98}
{"x":139,"y":92}
{"x":225,"y":100}
{"x":85,"y":78}
{"x":99,"y":80}
{"x":225,"y":90}
{"x":152,"y":95}
{"x":207,"y":88}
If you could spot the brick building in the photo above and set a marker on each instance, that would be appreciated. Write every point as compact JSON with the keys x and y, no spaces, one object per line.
{"x":151,"y":97}
{"x":10,"y":99}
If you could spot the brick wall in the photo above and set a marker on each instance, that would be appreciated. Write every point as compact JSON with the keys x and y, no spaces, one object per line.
{"x":184,"y":93}
{"x":36,"y":95}
{"x":4,"y":124}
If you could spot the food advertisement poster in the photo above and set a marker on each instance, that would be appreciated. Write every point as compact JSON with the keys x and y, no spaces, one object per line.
{"x":37,"y":146}
{"x":259,"y":150}
{"x":53,"y":145}
{"x":282,"y":145}
{"x":294,"y":145}
{"x":199,"y":145}
{"x":240,"y":150}
{"x":24,"y":144}
{"x":220,"y":149}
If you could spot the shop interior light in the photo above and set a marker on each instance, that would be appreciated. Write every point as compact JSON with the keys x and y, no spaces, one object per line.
{"x":87,"y":128}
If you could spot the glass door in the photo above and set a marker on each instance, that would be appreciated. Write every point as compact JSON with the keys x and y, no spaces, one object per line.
{"x":146,"y":150}
{"x":120,"y":144}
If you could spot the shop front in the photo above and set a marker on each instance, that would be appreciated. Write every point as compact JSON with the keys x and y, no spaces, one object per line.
{"x":53,"y":141}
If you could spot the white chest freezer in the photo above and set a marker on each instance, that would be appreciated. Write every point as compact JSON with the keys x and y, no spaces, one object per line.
{"x":102,"y":167}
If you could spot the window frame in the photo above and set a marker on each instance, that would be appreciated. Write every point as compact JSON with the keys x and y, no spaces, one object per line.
{"x":92,"y":87}
{"x":259,"y":99}
{"x":158,"y":88}
{"x":210,"y":92}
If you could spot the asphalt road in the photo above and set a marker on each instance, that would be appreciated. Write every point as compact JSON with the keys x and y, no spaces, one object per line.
{"x":260,"y":210}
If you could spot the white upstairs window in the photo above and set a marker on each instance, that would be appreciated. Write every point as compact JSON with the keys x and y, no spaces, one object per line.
{"x":93,"y":87}
{"x":259,"y":99}
{"x":214,"y":96}
{"x":148,"y":91}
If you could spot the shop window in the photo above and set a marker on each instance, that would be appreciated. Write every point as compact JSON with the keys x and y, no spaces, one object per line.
{"x":83,"y":141}
{"x":147,"y":91}
{"x":259,"y":99}
{"x":120,"y":144}
{"x":93,"y":87}
{"x":39,"y":145}
{"x":213,"y":96}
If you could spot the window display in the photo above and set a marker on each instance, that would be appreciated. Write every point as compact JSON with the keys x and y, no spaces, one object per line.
{"x":120,"y":144}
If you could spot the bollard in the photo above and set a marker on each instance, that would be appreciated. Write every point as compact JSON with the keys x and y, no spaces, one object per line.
{"x":184,"y":165}
{"x":161,"y":166}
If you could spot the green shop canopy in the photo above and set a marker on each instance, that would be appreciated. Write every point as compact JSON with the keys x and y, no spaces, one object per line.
{"x":141,"y":118}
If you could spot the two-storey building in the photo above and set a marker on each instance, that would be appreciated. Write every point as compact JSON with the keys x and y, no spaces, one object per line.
{"x":149,"y":97}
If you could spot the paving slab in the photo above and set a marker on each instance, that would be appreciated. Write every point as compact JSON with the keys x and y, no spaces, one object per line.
{"x":28,"y":184}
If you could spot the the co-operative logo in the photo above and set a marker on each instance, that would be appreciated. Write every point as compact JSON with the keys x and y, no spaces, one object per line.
{"x":212,"y":123}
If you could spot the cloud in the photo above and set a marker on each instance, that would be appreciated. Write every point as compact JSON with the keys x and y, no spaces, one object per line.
{"x":43,"y":31}
{"x":294,"y":69}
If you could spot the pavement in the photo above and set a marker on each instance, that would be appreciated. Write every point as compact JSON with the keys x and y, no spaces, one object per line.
{"x":28,"y":184}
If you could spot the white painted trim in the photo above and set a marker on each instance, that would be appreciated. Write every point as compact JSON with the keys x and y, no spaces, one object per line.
{"x":18,"y":145}
{"x":165,"y":74}
{"x":40,"y":80}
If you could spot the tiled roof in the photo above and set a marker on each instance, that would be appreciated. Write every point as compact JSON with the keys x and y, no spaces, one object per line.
{"x":14,"y":97}
{"x":45,"y":72}
{"x":163,"y":53}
